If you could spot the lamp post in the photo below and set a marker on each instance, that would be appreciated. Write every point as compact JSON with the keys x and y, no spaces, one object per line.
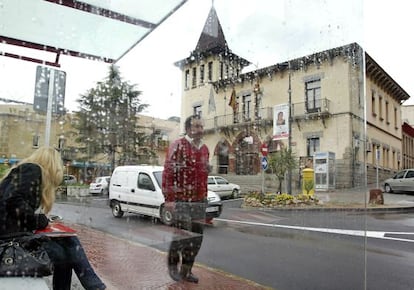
{"x":86,"y":163}
{"x":112,"y":141}
{"x":289,"y":189}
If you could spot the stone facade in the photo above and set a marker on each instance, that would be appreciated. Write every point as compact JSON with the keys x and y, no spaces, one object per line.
{"x":339,"y":100}
{"x":22,"y":131}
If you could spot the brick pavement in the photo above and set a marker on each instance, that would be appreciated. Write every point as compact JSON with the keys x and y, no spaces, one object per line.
{"x":123,"y":264}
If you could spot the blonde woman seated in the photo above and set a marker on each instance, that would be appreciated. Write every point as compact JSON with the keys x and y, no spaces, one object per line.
{"x":29,"y":186}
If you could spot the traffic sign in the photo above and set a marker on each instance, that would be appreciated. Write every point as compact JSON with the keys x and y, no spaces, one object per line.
{"x":264,"y":149}
{"x":57,"y":90}
{"x":265,"y":163}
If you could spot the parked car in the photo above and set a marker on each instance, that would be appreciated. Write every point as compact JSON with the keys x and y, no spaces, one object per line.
{"x":69,"y":179}
{"x":401,"y":181}
{"x":137,"y":189}
{"x":100,"y":185}
{"x":222,"y":187}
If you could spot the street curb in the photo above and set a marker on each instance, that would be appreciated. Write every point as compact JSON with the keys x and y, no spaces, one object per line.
{"x":325,"y":207}
{"x":359,"y":209}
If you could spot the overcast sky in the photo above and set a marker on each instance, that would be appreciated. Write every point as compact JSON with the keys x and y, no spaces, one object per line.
{"x":264,"y":32}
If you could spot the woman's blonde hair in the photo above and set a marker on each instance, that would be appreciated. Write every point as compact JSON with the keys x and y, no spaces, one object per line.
{"x":50,"y":161}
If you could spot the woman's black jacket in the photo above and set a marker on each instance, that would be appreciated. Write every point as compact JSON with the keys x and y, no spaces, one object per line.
{"x":20,"y":195}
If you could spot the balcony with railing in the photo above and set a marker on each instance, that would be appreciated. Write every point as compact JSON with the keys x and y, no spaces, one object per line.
{"x":317,"y":109}
{"x":262,"y":116}
{"x":314,"y":109}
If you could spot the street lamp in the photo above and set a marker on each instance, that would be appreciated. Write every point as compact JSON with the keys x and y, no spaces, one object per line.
{"x":290,"y":129}
{"x":112,"y":141}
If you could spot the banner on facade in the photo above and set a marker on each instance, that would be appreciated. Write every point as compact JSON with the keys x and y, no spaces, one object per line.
{"x":281,"y":122}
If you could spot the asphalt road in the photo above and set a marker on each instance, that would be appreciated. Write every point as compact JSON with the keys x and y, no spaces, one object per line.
{"x":285,"y":249}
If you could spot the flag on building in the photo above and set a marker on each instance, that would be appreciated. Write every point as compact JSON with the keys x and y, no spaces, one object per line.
{"x":233,"y":101}
{"x":211,"y":102}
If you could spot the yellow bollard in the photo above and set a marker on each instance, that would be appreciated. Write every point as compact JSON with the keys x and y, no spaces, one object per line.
{"x":308,"y":181}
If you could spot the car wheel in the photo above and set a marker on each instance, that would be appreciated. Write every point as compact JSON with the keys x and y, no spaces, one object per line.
{"x":116,"y":209}
{"x":235,"y":193}
{"x":387,"y":188}
{"x":167,"y":217}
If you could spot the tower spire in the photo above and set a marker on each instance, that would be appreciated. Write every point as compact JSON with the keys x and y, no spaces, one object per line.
{"x":212,"y":35}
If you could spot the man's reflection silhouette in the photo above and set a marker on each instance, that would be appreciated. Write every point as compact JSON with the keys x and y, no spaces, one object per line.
{"x":184,"y":185}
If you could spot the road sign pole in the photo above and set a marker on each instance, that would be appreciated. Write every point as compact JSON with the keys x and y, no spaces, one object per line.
{"x":265,"y":164}
{"x":49,"y":106}
{"x":263,"y":192}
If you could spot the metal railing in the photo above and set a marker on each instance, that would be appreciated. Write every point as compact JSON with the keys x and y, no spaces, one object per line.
{"x":240,"y":118}
{"x":319,"y":106}
{"x":299,"y":110}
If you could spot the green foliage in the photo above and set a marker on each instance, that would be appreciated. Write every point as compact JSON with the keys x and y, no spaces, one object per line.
{"x":108,"y":119}
{"x":281,"y":162}
{"x":308,"y":185}
{"x":272,"y":200}
{"x":3,"y":169}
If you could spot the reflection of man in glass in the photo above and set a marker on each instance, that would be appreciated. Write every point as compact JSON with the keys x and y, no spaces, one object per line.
{"x":184,"y":184}
{"x":280,"y":119}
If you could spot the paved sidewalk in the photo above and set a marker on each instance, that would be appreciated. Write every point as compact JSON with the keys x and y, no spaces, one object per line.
{"x":128,"y":265}
{"x":360,"y":198}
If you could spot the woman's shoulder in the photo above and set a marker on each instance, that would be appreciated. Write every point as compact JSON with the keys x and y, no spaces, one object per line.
{"x":28,"y":168}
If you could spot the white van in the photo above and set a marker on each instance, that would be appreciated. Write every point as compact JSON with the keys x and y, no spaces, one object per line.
{"x":137,"y":189}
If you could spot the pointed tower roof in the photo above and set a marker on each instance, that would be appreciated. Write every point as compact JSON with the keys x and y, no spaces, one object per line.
{"x":212,"y":36}
{"x":211,"y":42}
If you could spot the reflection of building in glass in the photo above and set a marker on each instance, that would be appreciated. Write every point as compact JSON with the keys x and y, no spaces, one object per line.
{"x":327,"y":108}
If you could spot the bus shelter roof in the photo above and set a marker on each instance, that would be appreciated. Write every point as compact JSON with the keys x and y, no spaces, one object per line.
{"x":94,"y":29}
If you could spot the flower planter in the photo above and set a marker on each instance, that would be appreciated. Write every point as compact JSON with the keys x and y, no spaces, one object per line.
{"x":77,"y":191}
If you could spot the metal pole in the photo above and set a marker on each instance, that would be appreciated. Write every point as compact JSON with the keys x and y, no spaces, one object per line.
{"x":290,"y":131}
{"x":49,"y":106}
{"x":377,"y":155}
{"x":263,"y":191}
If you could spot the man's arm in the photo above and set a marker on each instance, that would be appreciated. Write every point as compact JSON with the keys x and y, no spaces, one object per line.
{"x":169,"y":173}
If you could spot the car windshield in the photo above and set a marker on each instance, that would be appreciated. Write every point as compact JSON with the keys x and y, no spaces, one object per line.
{"x":158,"y":177}
{"x":400,"y":174}
{"x":299,"y":112}
{"x":221,"y":180}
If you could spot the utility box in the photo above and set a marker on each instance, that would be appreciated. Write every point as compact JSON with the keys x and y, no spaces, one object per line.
{"x":324,"y":166}
{"x":308,"y":181}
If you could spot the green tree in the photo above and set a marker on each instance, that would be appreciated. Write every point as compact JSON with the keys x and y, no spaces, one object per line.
{"x":3,"y":169}
{"x":281,"y":162}
{"x":108,"y":119}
